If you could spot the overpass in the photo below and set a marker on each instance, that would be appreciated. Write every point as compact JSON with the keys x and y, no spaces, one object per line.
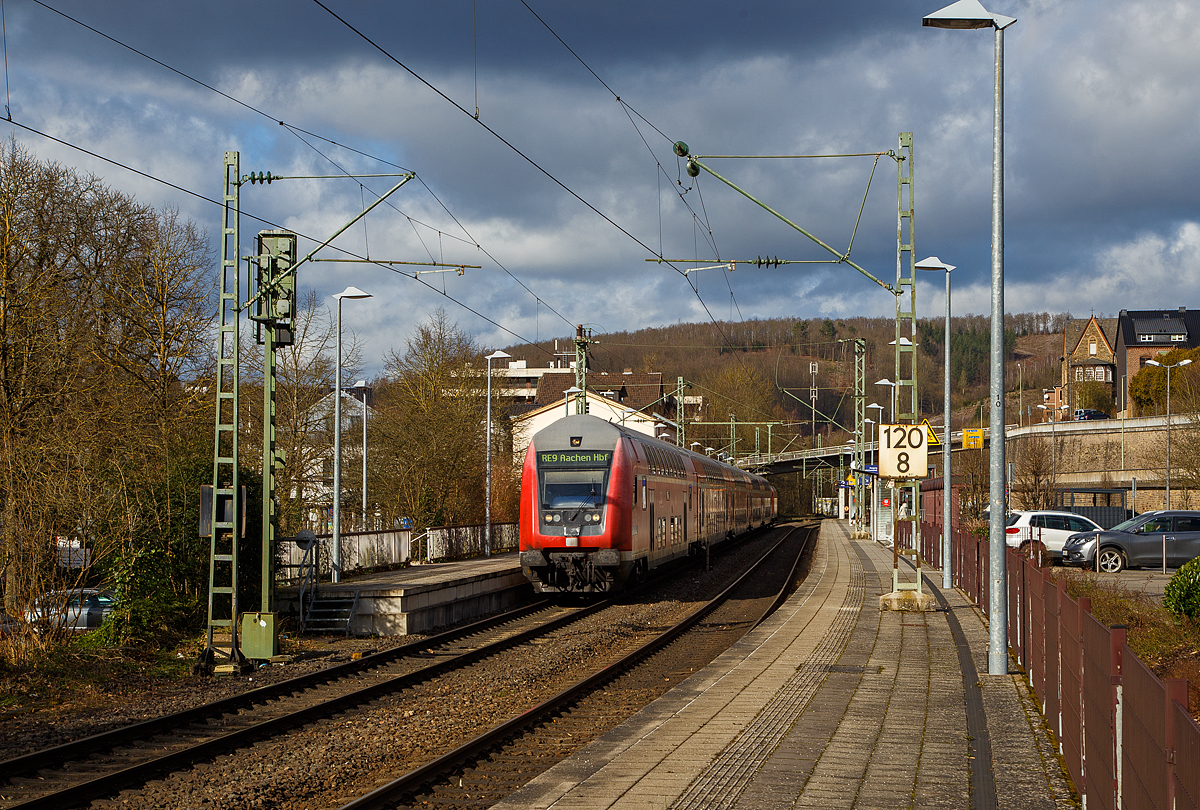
{"x":1117,"y":453}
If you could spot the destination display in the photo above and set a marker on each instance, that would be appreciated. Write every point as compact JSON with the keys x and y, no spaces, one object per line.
{"x":575,"y":458}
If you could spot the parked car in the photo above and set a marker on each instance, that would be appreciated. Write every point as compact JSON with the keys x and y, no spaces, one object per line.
{"x":74,"y":610}
{"x":1043,"y":533}
{"x":1139,"y":541}
{"x":1088,"y":414}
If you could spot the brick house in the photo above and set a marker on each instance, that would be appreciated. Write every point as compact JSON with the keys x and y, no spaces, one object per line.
{"x":1144,"y":334}
{"x":1089,"y":355}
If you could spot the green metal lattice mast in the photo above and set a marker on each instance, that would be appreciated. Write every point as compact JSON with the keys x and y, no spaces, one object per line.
{"x":860,"y":414}
{"x":907,"y":402}
{"x":225,"y":516}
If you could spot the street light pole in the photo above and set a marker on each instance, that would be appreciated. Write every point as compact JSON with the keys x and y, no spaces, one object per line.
{"x":892,"y":413}
{"x":1168,"y":368}
{"x":934,"y":263}
{"x":967,"y":14}
{"x":361,"y":385}
{"x":875,"y":478}
{"x":487,"y":507}
{"x":336,"y":573}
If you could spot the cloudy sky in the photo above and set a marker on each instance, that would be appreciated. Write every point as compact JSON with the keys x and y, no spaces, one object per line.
{"x":1101,"y":147}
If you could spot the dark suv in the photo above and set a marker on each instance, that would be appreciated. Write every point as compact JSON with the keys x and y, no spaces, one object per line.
{"x":1139,"y":541}
{"x":1088,"y":414}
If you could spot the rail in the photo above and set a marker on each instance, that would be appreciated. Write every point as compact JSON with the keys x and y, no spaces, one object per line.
{"x":387,"y":795}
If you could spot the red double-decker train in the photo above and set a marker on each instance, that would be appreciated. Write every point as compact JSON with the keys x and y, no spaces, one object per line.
{"x":602,"y":504}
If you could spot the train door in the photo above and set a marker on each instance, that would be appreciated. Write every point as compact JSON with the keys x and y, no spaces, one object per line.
{"x":687,"y":515}
{"x":653,"y":525}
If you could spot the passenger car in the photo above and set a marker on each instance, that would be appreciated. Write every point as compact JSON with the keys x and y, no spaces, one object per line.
{"x":1088,"y":414}
{"x":74,"y":610}
{"x":1138,"y":541}
{"x":1026,"y":530}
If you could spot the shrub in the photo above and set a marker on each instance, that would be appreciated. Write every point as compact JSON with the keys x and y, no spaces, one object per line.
{"x":1182,"y":594}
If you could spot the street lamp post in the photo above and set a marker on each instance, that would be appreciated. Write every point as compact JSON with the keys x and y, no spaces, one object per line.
{"x":336,"y":574}
{"x":361,"y":385}
{"x":875,"y":478}
{"x":570,"y":392}
{"x":1052,"y":412}
{"x":967,"y":14}
{"x":487,"y":507}
{"x":1183,"y":362}
{"x":892,"y":413}
{"x":934,"y":263}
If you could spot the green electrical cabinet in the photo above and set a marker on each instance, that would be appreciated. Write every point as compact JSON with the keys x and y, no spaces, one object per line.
{"x":260,"y":636}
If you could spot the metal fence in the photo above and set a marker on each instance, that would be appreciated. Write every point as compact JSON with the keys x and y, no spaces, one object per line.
{"x":461,"y":542}
{"x":1128,"y":738}
{"x":367,"y":550}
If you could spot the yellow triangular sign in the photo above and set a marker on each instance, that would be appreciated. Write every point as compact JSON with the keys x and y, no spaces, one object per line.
{"x":933,"y":439}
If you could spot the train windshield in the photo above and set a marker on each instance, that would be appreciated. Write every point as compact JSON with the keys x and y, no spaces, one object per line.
{"x":569,"y":489}
{"x":572,"y":479}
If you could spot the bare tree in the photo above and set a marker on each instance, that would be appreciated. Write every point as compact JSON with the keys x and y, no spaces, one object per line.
{"x":1034,"y":473}
{"x":428,"y":445}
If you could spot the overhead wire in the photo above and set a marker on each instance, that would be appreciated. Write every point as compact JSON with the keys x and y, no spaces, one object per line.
{"x":296,"y":131}
{"x":630,"y":111}
{"x":272,"y":224}
{"x":508,"y":143}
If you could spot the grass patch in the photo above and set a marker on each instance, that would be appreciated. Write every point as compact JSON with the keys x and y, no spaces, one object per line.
{"x":37,"y":672}
{"x":1167,"y":644}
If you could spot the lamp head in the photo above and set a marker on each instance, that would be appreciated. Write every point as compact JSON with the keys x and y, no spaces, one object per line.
{"x":966,"y":14}
{"x":352,"y":292}
{"x":933,"y":263}
{"x":499,"y":355}
{"x":1184,"y":362}
{"x":1153,"y":363}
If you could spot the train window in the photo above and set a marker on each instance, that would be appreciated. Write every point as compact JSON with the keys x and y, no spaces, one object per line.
{"x":564,"y":489}
{"x":643,"y":493}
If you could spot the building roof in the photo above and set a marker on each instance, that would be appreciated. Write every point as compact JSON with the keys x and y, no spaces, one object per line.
{"x":1074,"y":329}
{"x":637,"y":390}
{"x":1158,"y":325}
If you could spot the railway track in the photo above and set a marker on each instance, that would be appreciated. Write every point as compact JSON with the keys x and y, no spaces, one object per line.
{"x":78,"y":771}
{"x":99,"y":766}
{"x":486,"y":769}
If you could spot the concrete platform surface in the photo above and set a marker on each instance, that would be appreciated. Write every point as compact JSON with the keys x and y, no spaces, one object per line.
{"x":830,"y":703}
{"x":422,"y":598}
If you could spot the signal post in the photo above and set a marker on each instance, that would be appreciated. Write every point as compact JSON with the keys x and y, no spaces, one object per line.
{"x":903,"y":459}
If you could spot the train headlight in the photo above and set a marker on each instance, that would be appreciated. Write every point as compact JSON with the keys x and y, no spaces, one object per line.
{"x":549,"y":518}
{"x":596,"y":518}
{"x":558,"y":518}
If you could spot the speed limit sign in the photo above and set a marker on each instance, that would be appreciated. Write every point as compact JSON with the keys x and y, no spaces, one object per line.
{"x":903,"y":451}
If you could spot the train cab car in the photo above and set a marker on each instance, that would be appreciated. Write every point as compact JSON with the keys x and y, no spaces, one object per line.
{"x":602,"y":504}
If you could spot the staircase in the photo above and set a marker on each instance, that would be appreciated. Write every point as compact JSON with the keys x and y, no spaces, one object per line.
{"x":330,"y":614}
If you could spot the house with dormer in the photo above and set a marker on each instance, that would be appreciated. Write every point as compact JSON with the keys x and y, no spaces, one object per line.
{"x":1143,"y":334}
{"x":1089,"y":356}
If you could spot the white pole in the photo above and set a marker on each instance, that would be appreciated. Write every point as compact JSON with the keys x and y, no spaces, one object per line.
{"x":998,"y":592}
{"x":947,"y":549}
{"x":487,"y":507}
{"x":364,"y":459}
{"x":337,"y":454}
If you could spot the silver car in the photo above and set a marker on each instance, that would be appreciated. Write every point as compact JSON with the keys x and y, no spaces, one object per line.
{"x":1139,"y":541}
{"x":74,"y":611}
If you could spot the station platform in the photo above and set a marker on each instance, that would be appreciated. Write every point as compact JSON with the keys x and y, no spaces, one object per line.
{"x":420,"y":598}
{"x":829,"y":703}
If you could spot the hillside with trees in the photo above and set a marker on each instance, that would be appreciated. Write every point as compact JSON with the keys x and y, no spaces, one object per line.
{"x":760,"y":370}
